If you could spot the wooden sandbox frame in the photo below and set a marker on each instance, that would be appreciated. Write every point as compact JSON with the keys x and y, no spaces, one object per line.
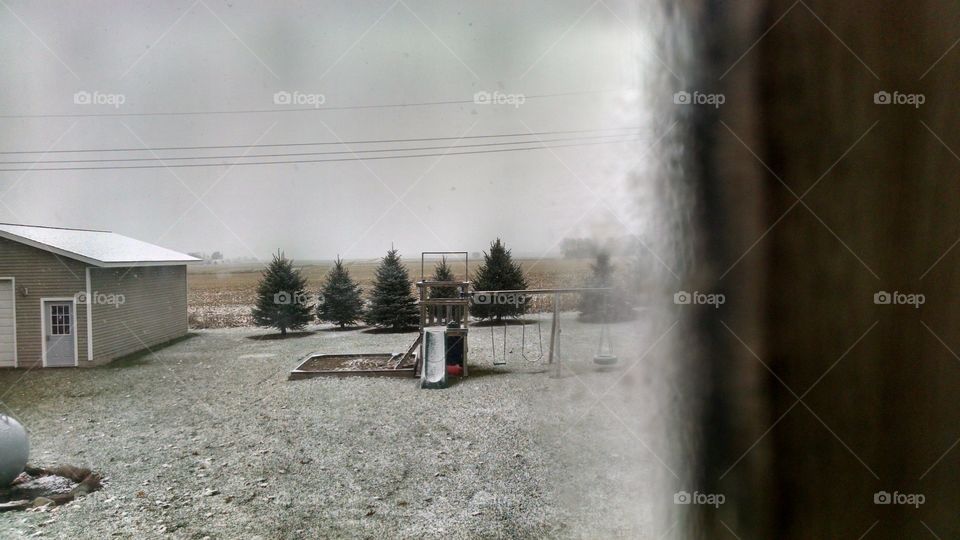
{"x":393,"y":359}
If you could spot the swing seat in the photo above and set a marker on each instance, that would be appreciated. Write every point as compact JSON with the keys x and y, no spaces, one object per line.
{"x":605,"y":359}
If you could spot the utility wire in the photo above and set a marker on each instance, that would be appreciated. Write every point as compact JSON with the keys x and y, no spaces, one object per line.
{"x":298,"y":109}
{"x":299,"y":154}
{"x":371,"y":158}
{"x":320,"y":143}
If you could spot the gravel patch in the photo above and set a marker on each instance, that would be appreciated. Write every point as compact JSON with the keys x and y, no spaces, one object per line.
{"x":207,"y":438}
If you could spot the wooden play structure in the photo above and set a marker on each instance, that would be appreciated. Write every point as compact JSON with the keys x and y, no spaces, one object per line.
{"x":445,"y":326}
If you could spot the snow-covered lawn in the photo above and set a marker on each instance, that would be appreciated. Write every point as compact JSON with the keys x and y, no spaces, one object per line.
{"x":207,"y":438}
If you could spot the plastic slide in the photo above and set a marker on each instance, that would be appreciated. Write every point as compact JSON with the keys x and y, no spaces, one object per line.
{"x":434,"y":358}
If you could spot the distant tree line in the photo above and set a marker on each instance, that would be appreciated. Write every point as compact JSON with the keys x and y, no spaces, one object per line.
{"x":213,"y":258}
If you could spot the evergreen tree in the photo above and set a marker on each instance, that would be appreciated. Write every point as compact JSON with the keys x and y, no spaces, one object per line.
{"x":443,"y":272}
{"x":497,"y":273}
{"x":392,"y":304}
{"x":282,"y":300}
{"x":340,"y":299}
{"x":602,"y":305}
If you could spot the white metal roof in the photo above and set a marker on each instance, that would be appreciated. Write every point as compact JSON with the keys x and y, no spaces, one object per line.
{"x":99,"y":248}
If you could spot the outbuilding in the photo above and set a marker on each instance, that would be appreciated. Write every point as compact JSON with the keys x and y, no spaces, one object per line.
{"x":79,"y":297}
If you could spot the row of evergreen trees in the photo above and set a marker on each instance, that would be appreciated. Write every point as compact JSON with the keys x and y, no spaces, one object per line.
{"x":283,"y":301}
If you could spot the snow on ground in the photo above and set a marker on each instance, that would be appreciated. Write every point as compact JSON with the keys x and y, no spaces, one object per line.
{"x":207,"y":438}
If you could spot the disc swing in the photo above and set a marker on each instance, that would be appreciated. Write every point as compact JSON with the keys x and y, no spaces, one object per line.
{"x":605,"y":356}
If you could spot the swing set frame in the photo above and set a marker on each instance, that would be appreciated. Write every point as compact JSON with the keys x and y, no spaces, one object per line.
{"x":553,"y":355}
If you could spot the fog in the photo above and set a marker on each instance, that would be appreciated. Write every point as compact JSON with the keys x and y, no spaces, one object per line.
{"x":211,"y":56}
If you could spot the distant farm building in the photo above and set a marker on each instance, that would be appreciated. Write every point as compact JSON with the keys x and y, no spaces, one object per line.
{"x":75,"y":297}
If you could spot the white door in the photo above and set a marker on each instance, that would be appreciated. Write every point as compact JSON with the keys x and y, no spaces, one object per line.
{"x":59,"y":327}
{"x":8,"y":332}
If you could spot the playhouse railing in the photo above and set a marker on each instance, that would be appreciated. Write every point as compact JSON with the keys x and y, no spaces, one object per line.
{"x":443,"y":311}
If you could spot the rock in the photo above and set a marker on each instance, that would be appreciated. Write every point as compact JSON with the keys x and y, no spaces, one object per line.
{"x":41,"y":501}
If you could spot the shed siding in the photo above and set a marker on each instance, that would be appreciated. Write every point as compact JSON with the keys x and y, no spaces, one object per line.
{"x":153,"y":311}
{"x":41,"y":274}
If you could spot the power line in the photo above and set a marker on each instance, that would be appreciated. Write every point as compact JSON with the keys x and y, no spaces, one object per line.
{"x":298,"y":154}
{"x":297,"y":109}
{"x":371,"y":158}
{"x":320,"y":143}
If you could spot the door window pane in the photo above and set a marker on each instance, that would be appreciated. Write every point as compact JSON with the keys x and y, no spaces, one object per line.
{"x":60,"y":320}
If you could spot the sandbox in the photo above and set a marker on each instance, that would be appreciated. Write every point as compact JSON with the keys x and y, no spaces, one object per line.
{"x":362,"y":364}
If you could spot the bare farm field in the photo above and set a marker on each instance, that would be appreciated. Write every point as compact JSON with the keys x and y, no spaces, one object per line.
{"x":221,"y":296}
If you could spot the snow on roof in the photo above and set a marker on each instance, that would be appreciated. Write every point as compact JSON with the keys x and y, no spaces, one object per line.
{"x":99,"y":248}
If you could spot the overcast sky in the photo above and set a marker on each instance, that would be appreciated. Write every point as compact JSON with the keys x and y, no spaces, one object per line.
{"x":229,"y":56}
